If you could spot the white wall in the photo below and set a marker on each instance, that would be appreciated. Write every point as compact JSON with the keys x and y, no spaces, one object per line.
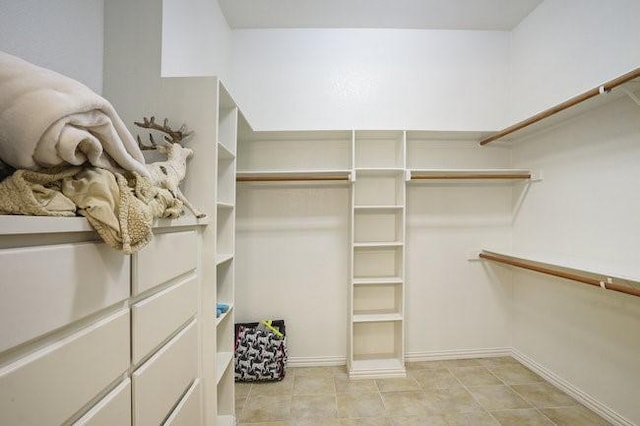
{"x":196,"y":39}
{"x":586,"y":208}
{"x":565,"y":47}
{"x":371,"y":79}
{"x":65,"y":36}
{"x":292,"y":246}
{"x":454,"y":308}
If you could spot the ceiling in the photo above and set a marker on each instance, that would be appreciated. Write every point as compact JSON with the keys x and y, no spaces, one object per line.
{"x":501,"y":15}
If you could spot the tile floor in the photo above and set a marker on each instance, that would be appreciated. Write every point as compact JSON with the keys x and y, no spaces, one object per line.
{"x":478,"y":392}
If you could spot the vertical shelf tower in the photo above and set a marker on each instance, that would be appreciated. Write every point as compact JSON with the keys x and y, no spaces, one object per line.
{"x":376,"y":338}
{"x":228,"y":119}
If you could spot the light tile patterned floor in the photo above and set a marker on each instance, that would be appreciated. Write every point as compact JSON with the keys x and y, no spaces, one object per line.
{"x":474,"y":392}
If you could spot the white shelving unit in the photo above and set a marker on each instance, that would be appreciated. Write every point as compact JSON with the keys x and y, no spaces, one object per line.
{"x":229,"y":118}
{"x":376,"y":303}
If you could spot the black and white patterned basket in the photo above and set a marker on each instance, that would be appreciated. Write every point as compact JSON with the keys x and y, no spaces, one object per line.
{"x":260,"y":355}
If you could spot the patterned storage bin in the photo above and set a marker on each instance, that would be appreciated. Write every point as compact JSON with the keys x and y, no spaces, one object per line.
{"x":260,"y":351}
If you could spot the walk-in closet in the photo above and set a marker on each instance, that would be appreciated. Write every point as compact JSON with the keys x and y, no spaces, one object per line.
{"x":437,"y":198}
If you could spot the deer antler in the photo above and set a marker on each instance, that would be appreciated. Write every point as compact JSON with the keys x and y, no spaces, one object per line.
{"x":171,"y":136}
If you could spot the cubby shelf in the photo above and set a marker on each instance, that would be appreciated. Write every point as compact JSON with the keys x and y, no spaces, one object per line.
{"x":223,"y":258}
{"x":224,"y":315}
{"x":223,"y":361}
{"x":224,"y":152}
{"x":379,"y":244}
{"x":377,"y":281}
{"x":376,"y":339}
{"x":230,"y":120}
{"x":223,"y":205}
{"x":377,"y":317}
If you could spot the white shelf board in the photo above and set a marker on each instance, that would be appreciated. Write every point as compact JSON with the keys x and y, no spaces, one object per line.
{"x":223,"y":361}
{"x":224,"y":315}
{"x":222,"y":258}
{"x":224,"y":152}
{"x":378,"y":281}
{"x":380,"y":244}
{"x":381,"y":171}
{"x":225,"y":205}
{"x":377,"y":366}
{"x":630,"y":274}
{"x":377,"y":317}
{"x":225,"y":420}
{"x":376,"y":208}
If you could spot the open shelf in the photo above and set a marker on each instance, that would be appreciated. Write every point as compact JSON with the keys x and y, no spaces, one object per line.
{"x":593,"y":98}
{"x":376,"y":316}
{"x":223,"y":361}
{"x":377,"y":281}
{"x":225,"y":314}
{"x":224,"y":152}
{"x":223,"y":258}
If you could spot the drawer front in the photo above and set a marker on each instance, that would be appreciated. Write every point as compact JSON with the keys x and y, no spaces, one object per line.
{"x":160,"y":382}
{"x":49,"y":386}
{"x":113,"y":409}
{"x":167,"y":256}
{"x":46,"y":287}
{"x":155,"y":318}
{"x":189,"y":410}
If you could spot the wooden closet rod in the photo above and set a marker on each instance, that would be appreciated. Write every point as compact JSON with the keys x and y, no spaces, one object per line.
{"x":606,"y":87}
{"x":290,"y":178}
{"x":567,"y":275}
{"x":472,"y":176}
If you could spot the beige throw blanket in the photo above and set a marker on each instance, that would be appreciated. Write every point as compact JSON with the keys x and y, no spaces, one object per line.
{"x":47,"y":120}
{"x":121,"y":210}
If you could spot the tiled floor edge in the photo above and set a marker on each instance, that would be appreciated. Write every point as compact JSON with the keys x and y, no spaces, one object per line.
{"x":584,"y":398}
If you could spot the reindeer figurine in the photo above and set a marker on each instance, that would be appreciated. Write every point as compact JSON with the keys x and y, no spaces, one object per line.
{"x":168,"y":174}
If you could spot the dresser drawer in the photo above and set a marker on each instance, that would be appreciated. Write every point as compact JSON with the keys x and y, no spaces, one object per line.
{"x":47,"y":287}
{"x":167,"y":256}
{"x":189,"y":410}
{"x":49,"y":386}
{"x":155,"y":318}
{"x":160,"y":382}
{"x":113,"y":409}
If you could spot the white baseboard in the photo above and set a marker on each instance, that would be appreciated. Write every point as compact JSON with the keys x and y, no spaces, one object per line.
{"x":580,"y":396}
{"x":457,"y":354}
{"x":323,"y":361}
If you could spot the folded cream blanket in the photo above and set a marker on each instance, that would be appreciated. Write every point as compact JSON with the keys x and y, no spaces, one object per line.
{"x":47,"y":120}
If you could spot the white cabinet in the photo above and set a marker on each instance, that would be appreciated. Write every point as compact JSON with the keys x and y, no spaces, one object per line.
{"x":90,"y":336}
{"x":376,"y":337}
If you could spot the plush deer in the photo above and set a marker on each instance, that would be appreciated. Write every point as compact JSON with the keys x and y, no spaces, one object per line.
{"x":168,"y":174}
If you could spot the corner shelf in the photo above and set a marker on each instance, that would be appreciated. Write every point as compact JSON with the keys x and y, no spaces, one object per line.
{"x":223,"y":258}
{"x":593,"y":98}
{"x":224,"y":315}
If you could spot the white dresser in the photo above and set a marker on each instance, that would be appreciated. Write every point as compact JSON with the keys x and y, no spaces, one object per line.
{"x":94,"y":337}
